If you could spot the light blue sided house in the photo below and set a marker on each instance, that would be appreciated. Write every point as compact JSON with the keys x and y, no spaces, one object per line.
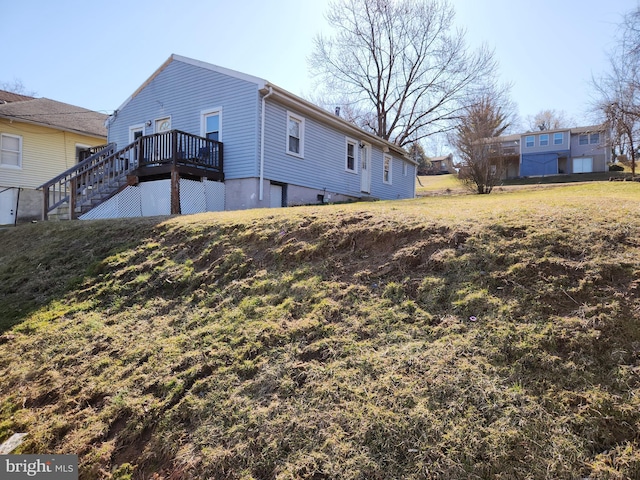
{"x":197,"y":137}
{"x":555,"y":152}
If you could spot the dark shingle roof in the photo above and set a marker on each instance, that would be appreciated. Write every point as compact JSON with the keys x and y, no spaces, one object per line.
{"x":43,"y":111}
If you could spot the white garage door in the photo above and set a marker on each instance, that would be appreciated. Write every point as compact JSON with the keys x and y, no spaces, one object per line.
{"x":582,"y":165}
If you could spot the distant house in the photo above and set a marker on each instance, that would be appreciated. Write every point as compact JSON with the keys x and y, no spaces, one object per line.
{"x":39,"y":138}
{"x":441,"y":165}
{"x":554,"y":152}
{"x":199,"y":137}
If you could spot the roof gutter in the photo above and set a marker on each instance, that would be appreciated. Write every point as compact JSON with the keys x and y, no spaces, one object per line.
{"x":262,"y":128}
{"x":307,"y":107}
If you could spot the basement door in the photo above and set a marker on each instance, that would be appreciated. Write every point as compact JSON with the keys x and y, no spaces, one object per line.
{"x":275,"y":196}
{"x":365,"y":169}
{"x":8,"y":204}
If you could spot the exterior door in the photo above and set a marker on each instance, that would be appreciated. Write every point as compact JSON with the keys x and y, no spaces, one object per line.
{"x":135,"y":133}
{"x":275,"y":196}
{"x":365,"y":169}
{"x":8,"y":204}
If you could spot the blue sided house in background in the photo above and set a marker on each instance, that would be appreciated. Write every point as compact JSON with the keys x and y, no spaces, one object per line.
{"x":565,"y":151}
{"x":197,"y":137}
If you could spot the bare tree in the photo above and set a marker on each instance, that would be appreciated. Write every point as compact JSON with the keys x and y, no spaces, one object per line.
{"x":16,"y":86}
{"x":483,"y":161}
{"x":618,"y":91}
{"x":549,"y":120}
{"x":404,"y":68}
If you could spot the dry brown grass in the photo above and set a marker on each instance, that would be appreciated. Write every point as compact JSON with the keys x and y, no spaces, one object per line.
{"x":333,"y":342}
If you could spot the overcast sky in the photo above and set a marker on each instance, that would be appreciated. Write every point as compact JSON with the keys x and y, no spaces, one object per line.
{"x":95,"y":53}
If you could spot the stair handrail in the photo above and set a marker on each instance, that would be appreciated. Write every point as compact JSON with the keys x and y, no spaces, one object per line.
{"x":102,"y":172}
{"x":56,"y":197}
{"x":80,"y":166}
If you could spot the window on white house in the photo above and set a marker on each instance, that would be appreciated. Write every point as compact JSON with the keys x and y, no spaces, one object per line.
{"x":352,"y":148}
{"x":295,"y":135}
{"x":583,"y":140}
{"x":595,"y":138}
{"x":386,"y":173}
{"x":558,"y":138}
{"x":405,"y":169}
{"x":10,"y":151}
{"x":544,"y":140}
{"x":530,"y":141}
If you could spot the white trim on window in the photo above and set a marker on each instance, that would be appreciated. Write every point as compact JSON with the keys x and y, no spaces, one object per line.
{"x":544,"y":139}
{"x":558,"y":138}
{"x":387,"y":163}
{"x":529,"y":141}
{"x":210,"y":112}
{"x":159,"y":125}
{"x":10,"y":153}
{"x":294,"y":145}
{"x":351,"y":157}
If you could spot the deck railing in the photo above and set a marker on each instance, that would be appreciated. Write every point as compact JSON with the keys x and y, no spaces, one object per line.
{"x":180,"y":148}
{"x":105,"y":172}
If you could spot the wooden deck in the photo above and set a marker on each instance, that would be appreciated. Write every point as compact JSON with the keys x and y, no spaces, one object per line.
{"x":169,"y":154}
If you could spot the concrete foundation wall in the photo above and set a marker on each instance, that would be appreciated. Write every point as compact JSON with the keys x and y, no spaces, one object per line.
{"x":29,"y":205}
{"x":297,"y":195}
{"x":244,"y":193}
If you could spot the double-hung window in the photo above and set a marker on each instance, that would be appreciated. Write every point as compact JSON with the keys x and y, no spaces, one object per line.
{"x":295,"y":135}
{"x":211,"y":125}
{"x":350,"y":160}
{"x":544,"y":140}
{"x":595,"y":138}
{"x":10,"y":151}
{"x":558,"y":138}
{"x":583,"y":140}
{"x":386,"y":173}
{"x":529,"y":141}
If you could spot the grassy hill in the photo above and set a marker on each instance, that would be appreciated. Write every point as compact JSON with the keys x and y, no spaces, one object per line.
{"x":446,"y":337}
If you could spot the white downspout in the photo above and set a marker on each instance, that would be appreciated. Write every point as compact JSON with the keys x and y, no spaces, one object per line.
{"x":264,"y":108}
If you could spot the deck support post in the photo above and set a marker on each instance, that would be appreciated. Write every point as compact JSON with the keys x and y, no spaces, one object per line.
{"x":74,"y":185}
{"x":175,"y":191}
{"x":45,"y":204}
{"x":175,"y":175}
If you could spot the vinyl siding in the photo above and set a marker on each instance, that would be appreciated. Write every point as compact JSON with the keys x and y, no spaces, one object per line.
{"x":182,"y":91}
{"x":46,"y":152}
{"x":323,"y":165}
{"x":597,"y":151}
{"x":551,"y":147}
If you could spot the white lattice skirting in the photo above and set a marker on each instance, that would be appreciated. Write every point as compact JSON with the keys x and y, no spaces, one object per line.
{"x":154,"y":198}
